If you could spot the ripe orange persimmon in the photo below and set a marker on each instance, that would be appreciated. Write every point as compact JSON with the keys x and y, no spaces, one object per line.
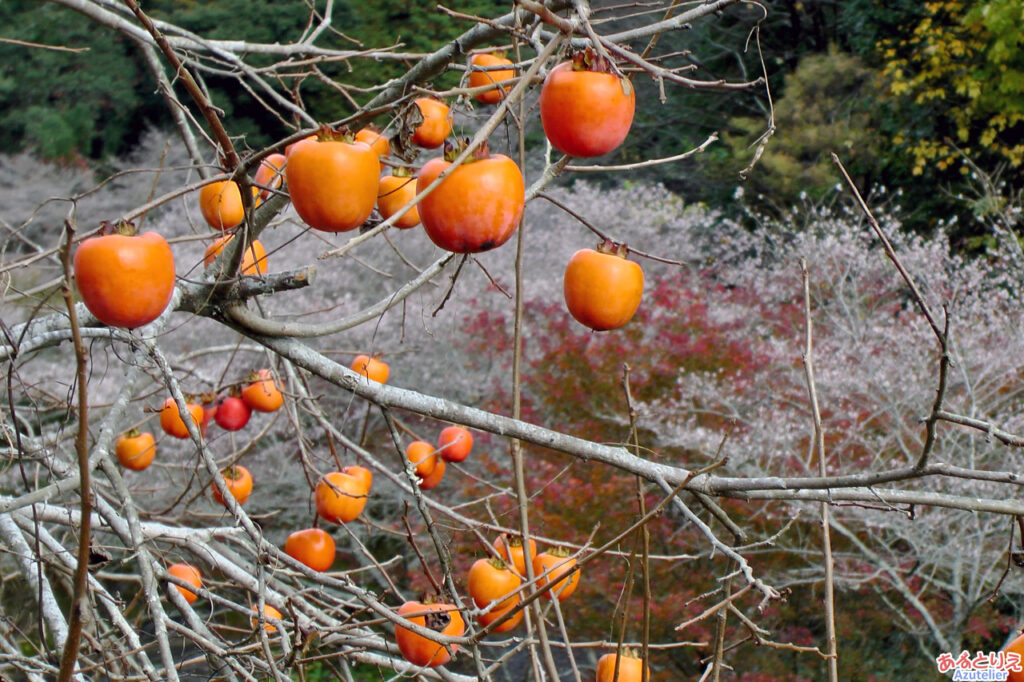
{"x":558,"y":563}
{"x":171,"y":421}
{"x":436,"y":125}
{"x":417,"y":649}
{"x":239,"y":484}
{"x":1016,"y":647}
{"x":270,"y":174}
{"x":477,"y":206}
{"x":602,"y":289}
{"x":586,"y":110}
{"x":262,"y":394}
{"x":268,"y":612}
{"x":454,"y":443}
{"x":396,"y":191}
{"x":430,"y":482}
{"x":422,"y":456}
{"x":362,"y":474}
{"x":371,"y":368}
{"x":333,"y":181}
{"x":631,"y":668}
{"x":221,"y":204}
{"x":490,"y":77}
{"x":510,"y":548}
{"x":340,"y":497}
{"x":189,"y":574}
{"x":125,"y":280}
{"x":377,"y":141}
{"x":490,"y":580}
{"x":254,"y":259}
{"x":135,"y":450}
{"x":313,"y":547}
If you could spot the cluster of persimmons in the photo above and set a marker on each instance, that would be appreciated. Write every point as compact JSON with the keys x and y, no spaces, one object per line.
{"x":334,"y":181}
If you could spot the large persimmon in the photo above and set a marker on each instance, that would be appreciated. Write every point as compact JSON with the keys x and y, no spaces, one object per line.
{"x":125,"y":280}
{"x":492,"y":76}
{"x":586,"y":110}
{"x":602,"y":289}
{"x":333,"y":181}
{"x":477,"y":206}
{"x":420,"y":650}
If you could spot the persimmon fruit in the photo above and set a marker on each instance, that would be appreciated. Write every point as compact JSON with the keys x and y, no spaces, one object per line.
{"x":371,"y":368}
{"x":602,"y":289}
{"x":560,"y":582}
{"x":436,"y":125}
{"x":454,"y":443}
{"x":492,"y":77}
{"x":396,"y":191}
{"x":191,"y":575}
{"x":125,"y":280}
{"x":419,"y":650}
{"x":333,"y":182}
{"x":313,"y":547}
{"x":171,"y":421}
{"x":340,"y":497}
{"x":262,"y":393}
{"x":477,"y":206}
{"x":221,"y":204}
{"x":135,"y":450}
{"x":254,"y":258}
{"x":586,"y":109}
{"x":239,"y":483}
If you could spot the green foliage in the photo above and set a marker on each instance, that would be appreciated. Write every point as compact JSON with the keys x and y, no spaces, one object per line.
{"x":63,"y":103}
{"x":962,"y":66}
{"x":826,"y":106}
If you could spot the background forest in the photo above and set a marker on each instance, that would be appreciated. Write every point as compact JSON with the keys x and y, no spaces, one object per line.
{"x":924,"y":103}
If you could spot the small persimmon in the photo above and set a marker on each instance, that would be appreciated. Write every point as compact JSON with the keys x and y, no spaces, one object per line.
{"x":490,"y":580}
{"x":171,"y":421}
{"x":191,"y":575}
{"x":485,"y":619}
{"x":340,"y":497}
{"x":238,"y":481}
{"x":510,"y":548}
{"x":268,"y":612}
{"x":135,"y":450}
{"x":262,"y":393}
{"x":313,"y":547}
{"x":377,"y":140}
{"x":371,"y":368}
{"x":221,"y":204}
{"x":436,"y":125}
{"x":254,"y":260}
{"x":454,"y":443}
{"x":419,"y":650}
{"x":422,"y":456}
{"x":430,"y":482}
{"x":558,"y":565}
{"x":395,"y":192}
{"x":631,"y":668}
{"x":479,"y":78}
{"x":270,"y":174}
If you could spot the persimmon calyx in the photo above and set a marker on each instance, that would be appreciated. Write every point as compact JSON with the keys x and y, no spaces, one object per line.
{"x":589,"y":60}
{"x":326,"y":133}
{"x":453,"y":149}
{"x":122,"y":227}
{"x":613,"y":248}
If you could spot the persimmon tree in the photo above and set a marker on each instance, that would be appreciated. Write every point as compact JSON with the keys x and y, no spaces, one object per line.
{"x":93,"y":544}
